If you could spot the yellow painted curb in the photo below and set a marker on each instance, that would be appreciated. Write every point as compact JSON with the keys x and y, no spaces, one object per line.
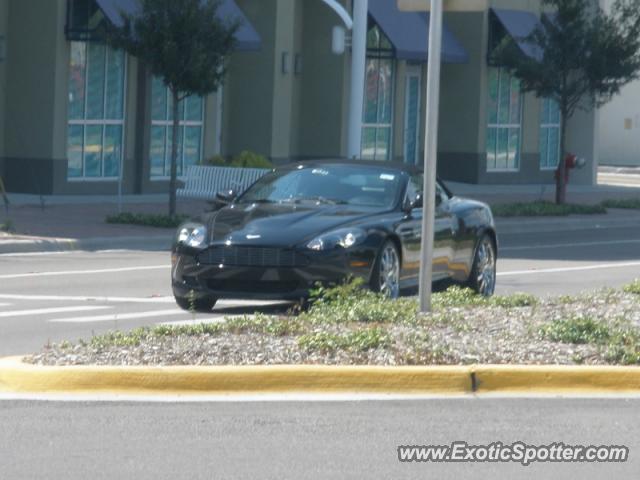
{"x":18,"y":377}
{"x":556,"y":378}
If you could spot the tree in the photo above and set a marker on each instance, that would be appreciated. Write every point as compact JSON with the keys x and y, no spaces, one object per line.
{"x":585,"y":57}
{"x":185,"y":43}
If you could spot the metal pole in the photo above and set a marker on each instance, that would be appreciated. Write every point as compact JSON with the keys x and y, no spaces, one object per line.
{"x":358,"y":63}
{"x":430,"y":154}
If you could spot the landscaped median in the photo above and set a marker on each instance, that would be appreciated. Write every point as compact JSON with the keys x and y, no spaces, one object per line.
{"x":351,"y":340}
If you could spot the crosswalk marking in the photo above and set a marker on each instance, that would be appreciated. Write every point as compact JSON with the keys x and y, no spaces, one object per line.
{"x":5,"y":304}
{"x":66,"y":298}
{"x":44,"y":311}
{"x":116,"y":317}
{"x":83,"y":272}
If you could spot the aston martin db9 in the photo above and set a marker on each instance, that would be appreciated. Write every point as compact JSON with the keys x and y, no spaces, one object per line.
{"x":322,"y":222}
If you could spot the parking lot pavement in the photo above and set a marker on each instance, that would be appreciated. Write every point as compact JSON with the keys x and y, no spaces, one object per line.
{"x":55,"y":297}
{"x":67,"y":296}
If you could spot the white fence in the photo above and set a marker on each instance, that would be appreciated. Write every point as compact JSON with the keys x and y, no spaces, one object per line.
{"x":204,"y":182}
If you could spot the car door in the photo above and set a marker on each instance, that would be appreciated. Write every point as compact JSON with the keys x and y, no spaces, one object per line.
{"x":410,"y":231}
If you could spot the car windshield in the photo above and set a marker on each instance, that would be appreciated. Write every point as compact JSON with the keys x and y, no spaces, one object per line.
{"x":328,"y":184}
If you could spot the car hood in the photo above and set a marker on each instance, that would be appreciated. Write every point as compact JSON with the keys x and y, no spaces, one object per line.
{"x":279,"y":224}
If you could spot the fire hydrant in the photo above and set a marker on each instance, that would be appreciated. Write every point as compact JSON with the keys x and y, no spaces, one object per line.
{"x":571,"y":161}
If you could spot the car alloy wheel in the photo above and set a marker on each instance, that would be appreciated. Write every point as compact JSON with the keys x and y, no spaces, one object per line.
{"x":389,"y":271}
{"x":485,"y":268}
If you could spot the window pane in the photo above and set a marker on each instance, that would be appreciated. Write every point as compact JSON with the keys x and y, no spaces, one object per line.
{"x":544,"y":153}
{"x":74,"y":150}
{"x":194,"y":106}
{"x":368,"y":143}
{"x":514,"y":107}
{"x":76,"y":80}
{"x":170,"y":108}
{"x":112,"y":150}
{"x":167,"y":162}
{"x":492,"y":138}
{"x":93,"y":151}
{"x":554,"y":112}
{"x":158,"y":100}
{"x":544,"y":116}
{"x":383,"y":143}
{"x":554,"y":147}
{"x":373,"y":38}
{"x":157,"y":151}
{"x":502,"y":150}
{"x":493,"y":96}
{"x":192,"y":138}
{"x":514,"y":148}
{"x":385,"y":91}
{"x":371,"y":92}
{"x":95,"y":81}
{"x":115,"y":84}
{"x":504,"y":97}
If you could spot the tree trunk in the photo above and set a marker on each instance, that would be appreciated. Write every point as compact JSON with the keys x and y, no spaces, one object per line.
{"x":561,"y":183}
{"x":174,"y":154}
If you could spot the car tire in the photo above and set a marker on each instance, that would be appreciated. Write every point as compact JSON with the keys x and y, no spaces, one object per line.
{"x":386,"y":271}
{"x":203,"y":305}
{"x":483,"y":272}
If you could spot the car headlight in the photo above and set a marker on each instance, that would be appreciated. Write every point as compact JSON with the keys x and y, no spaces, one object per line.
{"x":345,"y":238}
{"x":193,"y":235}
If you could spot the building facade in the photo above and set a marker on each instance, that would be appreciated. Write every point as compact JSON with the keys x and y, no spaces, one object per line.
{"x":79,"y":117}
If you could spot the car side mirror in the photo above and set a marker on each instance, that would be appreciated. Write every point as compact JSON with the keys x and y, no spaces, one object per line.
{"x":413,"y":205}
{"x":226,"y":196}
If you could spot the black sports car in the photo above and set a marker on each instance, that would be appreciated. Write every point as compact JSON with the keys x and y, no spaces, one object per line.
{"x":323,"y":221}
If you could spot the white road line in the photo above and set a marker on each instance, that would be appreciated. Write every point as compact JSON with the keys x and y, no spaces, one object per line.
{"x":569,"y":245}
{"x":83,"y":272}
{"x":63,"y":298}
{"x":117,"y":317}
{"x":302,"y":397}
{"x":45,"y":311}
{"x":570,"y":269}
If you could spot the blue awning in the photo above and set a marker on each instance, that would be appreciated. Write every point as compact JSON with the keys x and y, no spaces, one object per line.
{"x":519,"y":25}
{"x":246,"y":36}
{"x":409,"y":33}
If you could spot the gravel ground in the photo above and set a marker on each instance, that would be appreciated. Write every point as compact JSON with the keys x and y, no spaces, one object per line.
{"x":453,"y":335}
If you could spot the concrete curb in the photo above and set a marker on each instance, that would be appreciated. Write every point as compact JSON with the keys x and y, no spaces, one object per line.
{"x":511,"y":225}
{"x":17,"y":377}
{"x":43,"y":244}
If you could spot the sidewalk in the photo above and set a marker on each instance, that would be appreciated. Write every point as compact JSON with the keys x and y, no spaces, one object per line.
{"x":78,"y":223}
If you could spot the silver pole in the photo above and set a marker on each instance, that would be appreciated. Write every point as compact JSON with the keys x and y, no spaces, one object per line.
{"x":358,"y":63}
{"x":430,"y":154}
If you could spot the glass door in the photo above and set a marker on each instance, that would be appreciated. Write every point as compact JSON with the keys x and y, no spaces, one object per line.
{"x":412,"y":114}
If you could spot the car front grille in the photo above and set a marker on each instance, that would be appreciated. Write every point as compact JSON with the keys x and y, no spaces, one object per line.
{"x":252,"y":257}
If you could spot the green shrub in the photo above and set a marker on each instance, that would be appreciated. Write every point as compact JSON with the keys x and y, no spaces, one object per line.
{"x":216,"y":161}
{"x":358,"y":341}
{"x":577,"y":329}
{"x":633,"y":287}
{"x":544,"y":209}
{"x":147,"y":219}
{"x":7,"y":226}
{"x":630,"y":203}
{"x":248,"y":159}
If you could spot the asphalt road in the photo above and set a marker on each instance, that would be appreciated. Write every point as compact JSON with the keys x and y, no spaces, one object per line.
{"x":53,"y":297}
{"x":309,"y":440}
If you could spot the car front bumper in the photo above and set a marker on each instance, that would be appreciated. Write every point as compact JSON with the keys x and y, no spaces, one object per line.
{"x":191,"y":276}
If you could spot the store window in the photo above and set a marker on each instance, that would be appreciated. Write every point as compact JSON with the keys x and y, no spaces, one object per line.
{"x":190,"y":133}
{"x":550,"y":124}
{"x":95,"y":133}
{"x":504,"y":121}
{"x":378,"y":97}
